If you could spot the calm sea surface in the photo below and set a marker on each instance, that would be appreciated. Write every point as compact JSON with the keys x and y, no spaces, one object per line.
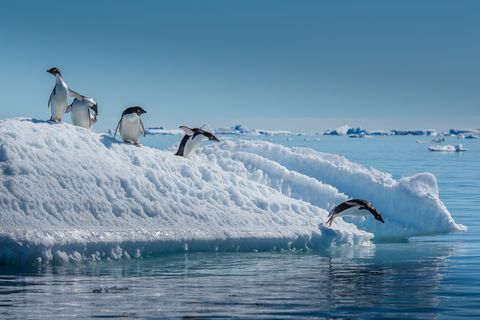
{"x":427,"y":277}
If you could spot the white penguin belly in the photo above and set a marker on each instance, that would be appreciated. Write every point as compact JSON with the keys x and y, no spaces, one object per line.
{"x":130,"y":128}
{"x":59,"y":101}
{"x":81,"y":114}
{"x":354,"y":212}
{"x":192,"y":145}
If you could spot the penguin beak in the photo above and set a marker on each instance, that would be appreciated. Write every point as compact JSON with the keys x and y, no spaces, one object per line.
{"x":213,"y":138}
{"x":379,"y":218}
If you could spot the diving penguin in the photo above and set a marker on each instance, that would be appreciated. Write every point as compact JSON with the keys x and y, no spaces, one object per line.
{"x":192,"y":139}
{"x":84,"y":111}
{"x":131,"y":125}
{"x":58,"y":98}
{"x":356,"y":208}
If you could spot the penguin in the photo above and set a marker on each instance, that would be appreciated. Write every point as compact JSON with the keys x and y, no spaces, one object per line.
{"x":84,"y":112}
{"x":192,"y":139}
{"x":58,"y":98}
{"x":131,"y":125}
{"x":356,"y":208}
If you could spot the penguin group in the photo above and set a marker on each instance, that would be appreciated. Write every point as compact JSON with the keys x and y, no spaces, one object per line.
{"x":84,"y":112}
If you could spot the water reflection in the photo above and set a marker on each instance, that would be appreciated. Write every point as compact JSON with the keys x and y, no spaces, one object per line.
{"x":389,"y":280}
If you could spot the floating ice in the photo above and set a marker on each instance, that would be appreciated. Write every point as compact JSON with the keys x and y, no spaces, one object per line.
{"x":68,"y":194}
{"x":447,"y":148}
{"x":163,"y":131}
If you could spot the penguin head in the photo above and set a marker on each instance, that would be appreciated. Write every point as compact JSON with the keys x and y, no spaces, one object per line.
{"x":210,"y":136}
{"x":138,"y":110}
{"x":197,"y":131}
{"x":375,"y":214}
{"x":54,"y":71}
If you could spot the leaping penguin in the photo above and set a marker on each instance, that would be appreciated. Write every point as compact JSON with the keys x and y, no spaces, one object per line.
{"x":356,"y":208}
{"x":84,"y":111}
{"x":192,"y":139}
{"x":58,"y":98}
{"x":131,"y":125}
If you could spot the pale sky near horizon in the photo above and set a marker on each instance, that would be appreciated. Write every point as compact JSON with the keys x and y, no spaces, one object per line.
{"x":296,"y":65}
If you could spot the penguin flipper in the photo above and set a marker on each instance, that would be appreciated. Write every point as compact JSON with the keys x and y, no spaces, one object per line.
{"x":75,"y":94}
{"x":118,"y":125}
{"x":69,"y":107}
{"x":50,"y":99}
{"x":188,"y":131}
{"x":181,"y":147}
{"x":143,"y":127}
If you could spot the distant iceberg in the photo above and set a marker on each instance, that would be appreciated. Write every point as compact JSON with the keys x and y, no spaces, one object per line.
{"x":70,"y":195}
{"x":237,"y":130}
{"x":340,"y":131}
{"x":475,"y":132}
{"x":163,"y":131}
{"x":358,"y":131}
{"x":242,"y":130}
{"x":447,"y":148}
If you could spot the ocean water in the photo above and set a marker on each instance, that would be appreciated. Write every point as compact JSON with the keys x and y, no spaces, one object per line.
{"x":425,"y":277}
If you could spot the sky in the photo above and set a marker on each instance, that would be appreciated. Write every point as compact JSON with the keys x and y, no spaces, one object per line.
{"x":296,"y":65}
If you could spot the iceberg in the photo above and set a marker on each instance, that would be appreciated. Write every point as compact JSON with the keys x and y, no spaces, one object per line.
{"x":454,"y":132}
{"x":447,"y":148}
{"x":162,"y":131}
{"x":275,"y":132}
{"x":68,"y":194}
{"x":358,"y":132}
{"x":241,"y":130}
{"x":340,"y":131}
{"x":236,"y":130}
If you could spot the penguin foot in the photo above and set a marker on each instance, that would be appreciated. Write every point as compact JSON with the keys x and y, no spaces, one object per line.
{"x":136,"y":144}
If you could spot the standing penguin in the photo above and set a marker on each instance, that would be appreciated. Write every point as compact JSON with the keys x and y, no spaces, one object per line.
{"x":58,"y":98}
{"x":192,"y":139}
{"x":131,"y":125}
{"x":84,"y":111}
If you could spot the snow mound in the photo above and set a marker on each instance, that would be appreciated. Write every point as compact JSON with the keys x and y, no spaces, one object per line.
{"x":410,"y":206}
{"x":67,"y":194}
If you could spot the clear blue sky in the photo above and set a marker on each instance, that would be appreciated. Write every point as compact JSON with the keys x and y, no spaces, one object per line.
{"x":298,"y":65}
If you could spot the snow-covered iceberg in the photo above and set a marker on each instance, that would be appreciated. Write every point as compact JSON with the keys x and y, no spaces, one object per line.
{"x":162,"y":131}
{"x":447,"y":148}
{"x":237,"y":130}
{"x":67,"y":194}
{"x":241,"y":130}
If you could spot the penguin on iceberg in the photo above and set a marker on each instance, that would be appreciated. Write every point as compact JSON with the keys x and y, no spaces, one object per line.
{"x":130,"y":125}
{"x":192,"y":139}
{"x":84,"y":111}
{"x":59,"y":96}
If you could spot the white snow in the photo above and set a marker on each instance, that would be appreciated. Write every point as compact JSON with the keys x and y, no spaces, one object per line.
{"x":68,"y":194}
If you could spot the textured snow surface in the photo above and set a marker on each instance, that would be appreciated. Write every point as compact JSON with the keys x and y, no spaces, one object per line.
{"x":67,"y":194}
